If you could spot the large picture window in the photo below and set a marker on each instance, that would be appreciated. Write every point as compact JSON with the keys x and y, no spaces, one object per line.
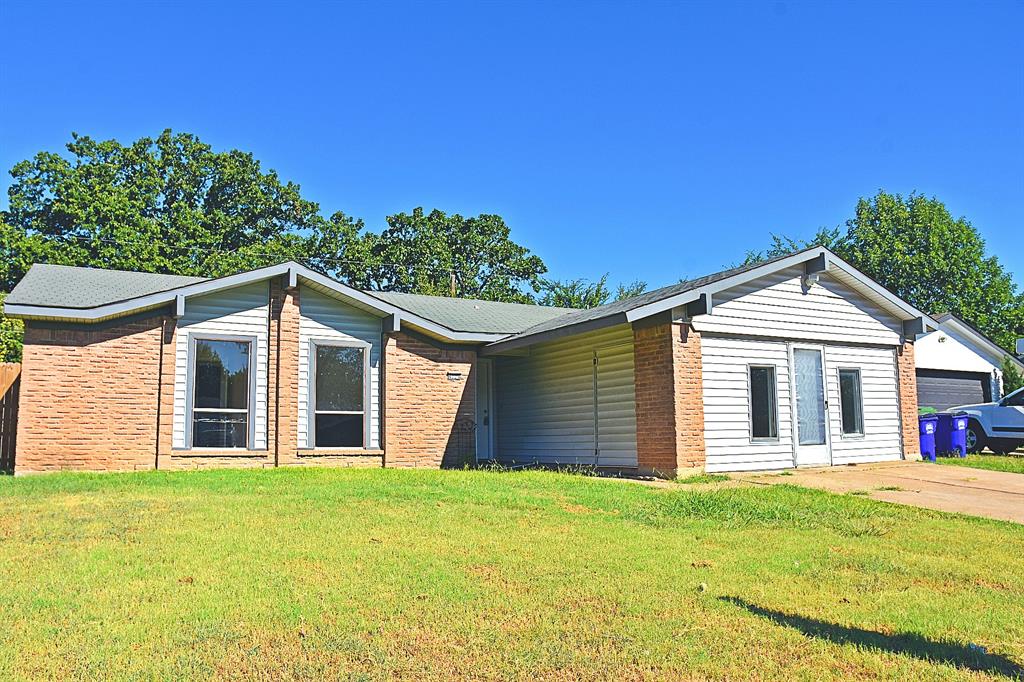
{"x":220,"y":398}
{"x":764,"y":420}
{"x":851,"y":402}
{"x":339,"y":396}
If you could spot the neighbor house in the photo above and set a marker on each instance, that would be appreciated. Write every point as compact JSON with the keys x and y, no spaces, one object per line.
{"x":958,"y":365}
{"x":798,"y":361}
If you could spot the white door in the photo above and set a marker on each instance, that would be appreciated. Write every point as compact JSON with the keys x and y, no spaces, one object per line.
{"x":484,"y":409}
{"x":811,"y":407}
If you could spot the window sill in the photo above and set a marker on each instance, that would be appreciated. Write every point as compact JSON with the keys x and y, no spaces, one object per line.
{"x":347,"y":452}
{"x":219,"y":452}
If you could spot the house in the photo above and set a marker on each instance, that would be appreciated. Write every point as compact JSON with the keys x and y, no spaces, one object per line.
{"x":798,"y":361}
{"x":958,"y":365}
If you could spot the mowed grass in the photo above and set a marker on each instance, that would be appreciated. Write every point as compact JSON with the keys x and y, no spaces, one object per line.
{"x":373,"y":574}
{"x":1011,"y":463}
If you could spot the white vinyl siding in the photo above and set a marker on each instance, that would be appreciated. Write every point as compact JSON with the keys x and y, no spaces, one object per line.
{"x":779,"y":306}
{"x":326,"y":318}
{"x":881,"y":440}
{"x":546,"y":408}
{"x":727,"y":435}
{"x":239,"y":312}
{"x":726,"y":362}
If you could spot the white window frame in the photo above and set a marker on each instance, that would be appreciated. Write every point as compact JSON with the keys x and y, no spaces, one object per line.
{"x":839,"y":384}
{"x":774,"y":402}
{"x":311,"y":410}
{"x":190,"y":389}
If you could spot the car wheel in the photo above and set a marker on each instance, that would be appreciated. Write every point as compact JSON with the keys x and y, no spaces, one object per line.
{"x":975,"y":437}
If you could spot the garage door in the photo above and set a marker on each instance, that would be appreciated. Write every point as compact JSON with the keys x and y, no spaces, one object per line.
{"x":943,"y":389}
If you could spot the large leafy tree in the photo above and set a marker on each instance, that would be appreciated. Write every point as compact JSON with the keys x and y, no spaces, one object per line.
{"x":915,"y":248}
{"x":169,"y":204}
{"x":447,"y":255}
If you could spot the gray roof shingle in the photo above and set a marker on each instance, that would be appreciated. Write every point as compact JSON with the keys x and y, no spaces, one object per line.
{"x":66,"y":286}
{"x":471,"y":315}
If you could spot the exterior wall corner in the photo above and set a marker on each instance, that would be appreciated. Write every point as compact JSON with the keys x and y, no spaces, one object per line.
{"x":669,"y":399}
{"x":907,"y":387}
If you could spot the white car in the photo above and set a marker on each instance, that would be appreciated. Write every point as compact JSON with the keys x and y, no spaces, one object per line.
{"x":998,"y":426}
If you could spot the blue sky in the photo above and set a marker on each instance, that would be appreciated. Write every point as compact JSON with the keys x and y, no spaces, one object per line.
{"x":651,"y":141}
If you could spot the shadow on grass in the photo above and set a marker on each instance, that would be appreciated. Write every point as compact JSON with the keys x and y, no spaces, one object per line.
{"x":952,"y":653}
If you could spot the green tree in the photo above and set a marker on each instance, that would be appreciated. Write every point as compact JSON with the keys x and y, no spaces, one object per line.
{"x":11,"y":332}
{"x":575,"y":293}
{"x":169,"y":204}
{"x":914,"y":247}
{"x":447,"y":255}
{"x":1012,"y":377}
{"x":581,"y":293}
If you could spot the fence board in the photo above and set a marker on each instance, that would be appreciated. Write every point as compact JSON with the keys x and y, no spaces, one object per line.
{"x":10,"y":380}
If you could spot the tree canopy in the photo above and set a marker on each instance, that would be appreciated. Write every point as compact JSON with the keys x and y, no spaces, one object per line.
{"x":449,"y":255}
{"x":172,"y":204}
{"x":581,"y":293}
{"x":915,"y":248}
{"x":169,"y":204}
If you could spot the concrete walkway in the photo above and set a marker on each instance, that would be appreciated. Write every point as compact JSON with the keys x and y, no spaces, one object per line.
{"x":995,"y":494}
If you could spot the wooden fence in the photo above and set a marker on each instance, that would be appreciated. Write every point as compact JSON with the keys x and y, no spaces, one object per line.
{"x":10,"y":379}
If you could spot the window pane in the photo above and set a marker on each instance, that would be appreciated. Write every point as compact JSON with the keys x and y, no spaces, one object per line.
{"x":763,"y":422}
{"x":339,"y":378}
{"x":222,"y":374}
{"x":339,"y":431}
{"x":850,"y":397}
{"x":220,"y":429}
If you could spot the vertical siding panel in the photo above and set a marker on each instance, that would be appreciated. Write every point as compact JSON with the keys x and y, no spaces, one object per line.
{"x":241,"y":310}
{"x":727,"y":404}
{"x":881,"y":439}
{"x":324,"y":317}
{"x":545,"y":401}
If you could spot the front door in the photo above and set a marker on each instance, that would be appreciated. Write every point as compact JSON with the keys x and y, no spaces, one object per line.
{"x":484,"y":409}
{"x":811,"y":407}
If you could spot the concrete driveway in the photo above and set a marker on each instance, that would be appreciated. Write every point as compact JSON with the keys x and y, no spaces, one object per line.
{"x":995,"y":494}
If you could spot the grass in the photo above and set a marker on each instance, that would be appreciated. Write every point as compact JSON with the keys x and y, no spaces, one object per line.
{"x":374,"y":574}
{"x":1011,"y":463}
{"x":703,"y":478}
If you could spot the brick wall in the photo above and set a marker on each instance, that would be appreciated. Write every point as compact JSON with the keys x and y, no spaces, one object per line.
{"x":669,"y":398}
{"x":89,"y":397}
{"x":689,"y":391}
{"x":424,"y":410}
{"x":907,"y":379}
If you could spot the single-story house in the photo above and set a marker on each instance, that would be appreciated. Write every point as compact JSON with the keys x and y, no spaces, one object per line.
{"x":958,"y":365}
{"x":797,"y":361}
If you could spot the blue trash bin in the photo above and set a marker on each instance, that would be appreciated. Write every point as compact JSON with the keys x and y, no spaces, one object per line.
{"x":958,"y":436}
{"x":951,"y":434}
{"x":927,"y":424}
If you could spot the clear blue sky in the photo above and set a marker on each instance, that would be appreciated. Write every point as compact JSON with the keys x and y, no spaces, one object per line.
{"x":652,"y":141}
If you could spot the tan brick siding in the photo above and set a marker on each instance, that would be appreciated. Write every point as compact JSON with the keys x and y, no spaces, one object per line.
{"x":89,"y":397}
{"x":428,"y":418}
{"x":669,"y":398}
{"x":689,"y":391}
{"x":907,"y":378}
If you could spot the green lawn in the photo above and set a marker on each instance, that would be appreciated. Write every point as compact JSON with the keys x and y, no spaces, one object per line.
{"x":1012,"y":463}
{"x":369,"y":574}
